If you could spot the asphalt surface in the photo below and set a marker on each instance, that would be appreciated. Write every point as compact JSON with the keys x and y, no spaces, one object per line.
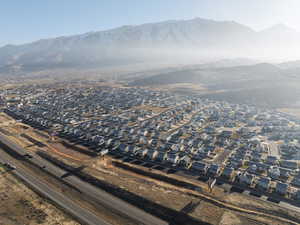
{"x":97,"y":195}
{"x":81,"y":214}
{"x":101,"y":197}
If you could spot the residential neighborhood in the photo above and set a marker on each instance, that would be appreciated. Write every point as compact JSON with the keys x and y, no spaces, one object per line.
{"x":252,"y":148}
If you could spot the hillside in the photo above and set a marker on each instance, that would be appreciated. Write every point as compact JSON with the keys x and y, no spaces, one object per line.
{"x":215,"y":76}
{"x":260,"y":84}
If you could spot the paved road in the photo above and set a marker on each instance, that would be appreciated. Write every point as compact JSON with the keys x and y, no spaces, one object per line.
{"x":96,"y":194}
{"x":82,"y":214}
{"x":102,"y":197}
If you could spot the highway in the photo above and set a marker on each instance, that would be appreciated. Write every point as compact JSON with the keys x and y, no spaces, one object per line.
{"x":81,"y":214}
{"x":102,"y":197}
{"x":95,"y":194}
{"x":99,"y":196}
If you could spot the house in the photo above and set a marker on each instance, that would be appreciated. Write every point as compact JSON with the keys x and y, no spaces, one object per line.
{"x":289,"y":164}
{"x":143,"y":140}
{"x":256,"y":157}
{"x":149,"y":154}
{"x":274,"y":172}
{"x":122,"y":148}
{"x":153,"y":142}
{"x":281,"y":188}
{"x":285,"y":173}
{"x":246,"y":179}
{"x":297,"y":195}
{"x":139,"y":153}
{"x":171,"y":158}
{"x":214,"y":170}
{"x":101,"y":142}
{"x":263,"y":183}
{"x":109,"y":142}
{"x":129,"y":149}
{"x":272,"y":160}
{"x":158,"y":156}
{"x":252,"y":168}
{"x":296,"y":182}
{"x":228,"y":173}
{"x":262,"y":168}
{"x":175,"y":147}
{"x":199,"y":167}
{"x":185,"y":161}
{"x":116,"y":145}
{"x":145,"y":151}
{"x":147,"y":133}
{"x":237,"y":162}
{"x":226,"y":134}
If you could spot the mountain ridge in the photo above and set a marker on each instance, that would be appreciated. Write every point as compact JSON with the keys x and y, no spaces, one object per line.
{"x":173,"y":40}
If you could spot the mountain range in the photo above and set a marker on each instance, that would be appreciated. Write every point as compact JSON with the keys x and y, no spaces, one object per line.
{"x":184,"y":41}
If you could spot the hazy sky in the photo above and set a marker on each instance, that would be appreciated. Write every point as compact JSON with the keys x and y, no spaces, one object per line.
{"x":28,"y":20}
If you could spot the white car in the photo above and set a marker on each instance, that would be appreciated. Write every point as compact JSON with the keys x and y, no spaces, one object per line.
{"x":10,"y":166}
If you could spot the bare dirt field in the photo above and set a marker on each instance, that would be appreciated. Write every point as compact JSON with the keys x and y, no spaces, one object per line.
{"x":21,"y":206}
{"x":177,"y":198}
{"x":183,"y":88}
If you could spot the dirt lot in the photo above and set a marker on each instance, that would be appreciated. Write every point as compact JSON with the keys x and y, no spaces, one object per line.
{"x":256,"y":204}
{"x":177,"y":198}
{"x":183,"y":88}
{"x":21,"y":206}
